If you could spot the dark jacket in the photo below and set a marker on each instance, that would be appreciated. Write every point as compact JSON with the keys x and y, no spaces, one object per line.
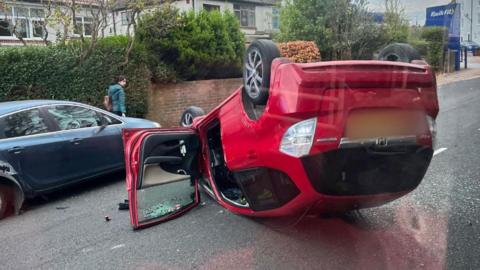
{"x":117,"y":95}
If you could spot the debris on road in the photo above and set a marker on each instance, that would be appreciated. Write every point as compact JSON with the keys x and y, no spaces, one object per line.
{"x":107,"y":218}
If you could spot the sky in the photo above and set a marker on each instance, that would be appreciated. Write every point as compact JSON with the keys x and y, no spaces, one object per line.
{"x":414,"y":9}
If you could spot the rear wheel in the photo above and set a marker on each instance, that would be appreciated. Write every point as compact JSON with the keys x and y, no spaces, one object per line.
{"x":399,"y":52}
{"x":257,"y":69}
{"x":5,"y":201}
{"x":189,"y":114}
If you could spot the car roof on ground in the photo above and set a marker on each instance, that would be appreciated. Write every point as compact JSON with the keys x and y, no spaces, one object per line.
{"x":13,"y":106}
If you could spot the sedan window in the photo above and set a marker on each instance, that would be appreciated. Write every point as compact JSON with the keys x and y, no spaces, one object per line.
{"x":73,"y":117}
{"x":22,"y":124}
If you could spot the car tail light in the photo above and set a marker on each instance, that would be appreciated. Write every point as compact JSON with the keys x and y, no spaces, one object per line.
{"x":297,"y":140}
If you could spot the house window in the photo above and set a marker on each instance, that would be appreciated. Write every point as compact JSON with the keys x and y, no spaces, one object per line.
{"x":83,"y":25}
{"x":126,"y":17}
{"x":88,"y":26}
{"x":245,"y":14}
{"x":275,"y":18}
{"x":78,"y":28}
{"x":5,"y":28}
{"x":22,"y":21}
{"x":208,"y":7}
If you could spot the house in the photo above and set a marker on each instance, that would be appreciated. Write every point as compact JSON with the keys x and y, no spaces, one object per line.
{"x":25,"y":21}
{"x":470,"y":20}
{"x":258,"y":18}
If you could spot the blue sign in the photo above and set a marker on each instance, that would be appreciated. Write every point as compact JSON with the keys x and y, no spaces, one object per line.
{"x":447,"y":16}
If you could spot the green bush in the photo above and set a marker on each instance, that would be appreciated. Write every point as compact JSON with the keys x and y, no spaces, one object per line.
{"x":202,"y":45}
{"x":53,"y":73}
{"x":436,"y":40}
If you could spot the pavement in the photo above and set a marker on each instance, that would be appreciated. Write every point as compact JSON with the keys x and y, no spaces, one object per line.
{"x":437,"y":226}
{"x":472,"y":71}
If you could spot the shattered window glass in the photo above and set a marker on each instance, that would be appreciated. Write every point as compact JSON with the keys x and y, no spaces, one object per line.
{"x":165,"y":199}
{"x":73,"y":117}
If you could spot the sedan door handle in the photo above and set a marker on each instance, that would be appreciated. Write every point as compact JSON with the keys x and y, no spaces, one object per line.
{"x":16,"y":149}
{"x":76,"y":141}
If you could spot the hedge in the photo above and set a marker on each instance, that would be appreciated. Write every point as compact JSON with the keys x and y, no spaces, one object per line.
{"x":36,"y":72}
{"x":436,"y":40}
{"x":300,"y":51}
{"x":197,"y":45}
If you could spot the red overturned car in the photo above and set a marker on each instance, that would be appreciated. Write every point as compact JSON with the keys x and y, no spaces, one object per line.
{"x":317,"y":137}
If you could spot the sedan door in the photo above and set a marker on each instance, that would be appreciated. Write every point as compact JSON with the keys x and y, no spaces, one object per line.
{"x":94,"y":140}
{"x":30,"y":145}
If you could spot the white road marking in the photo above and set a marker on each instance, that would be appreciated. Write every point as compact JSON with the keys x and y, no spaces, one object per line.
{"x":438,"y":151}
{"x":117,"y":246}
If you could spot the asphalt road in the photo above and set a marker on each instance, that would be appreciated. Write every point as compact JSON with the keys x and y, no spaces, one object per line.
{"x":436,"y":226}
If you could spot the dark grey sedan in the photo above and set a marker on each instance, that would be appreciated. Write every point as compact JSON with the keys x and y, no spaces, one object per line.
{"x":46,"y":145}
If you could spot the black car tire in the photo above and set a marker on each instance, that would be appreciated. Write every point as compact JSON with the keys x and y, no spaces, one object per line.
{"x":5,"y":201}
{"x":257,"y":69}
{"x":399,"y":52}
{"x":189,"y":114}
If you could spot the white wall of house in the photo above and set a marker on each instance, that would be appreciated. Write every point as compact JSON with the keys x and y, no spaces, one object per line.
{"x":470,"y":24}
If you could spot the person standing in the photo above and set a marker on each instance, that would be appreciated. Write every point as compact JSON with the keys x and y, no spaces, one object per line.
{"x":116,"y":92}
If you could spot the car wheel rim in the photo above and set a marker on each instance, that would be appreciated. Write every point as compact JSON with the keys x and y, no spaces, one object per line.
{"x":254,"y":73}
{"x":187,"y":120}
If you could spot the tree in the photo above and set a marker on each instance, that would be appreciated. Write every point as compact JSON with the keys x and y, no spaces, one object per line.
{"x":135,"y":8}
{"x":395,"y":26}
{"x":337,"y":27}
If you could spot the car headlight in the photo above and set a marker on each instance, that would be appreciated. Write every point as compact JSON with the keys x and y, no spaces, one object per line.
{"x":432,"y":126}
{"x":297,"y":140}
{"x":157,"y":125}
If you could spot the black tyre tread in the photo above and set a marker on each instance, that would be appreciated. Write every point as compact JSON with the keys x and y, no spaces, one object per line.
{"x":405,"y":51}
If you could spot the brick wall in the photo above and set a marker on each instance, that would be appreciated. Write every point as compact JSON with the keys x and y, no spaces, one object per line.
{"x":168,"y":101}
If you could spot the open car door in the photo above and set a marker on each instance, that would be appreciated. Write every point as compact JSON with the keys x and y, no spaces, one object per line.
{"x":162,"y":173}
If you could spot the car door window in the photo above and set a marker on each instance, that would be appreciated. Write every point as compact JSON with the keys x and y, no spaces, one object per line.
{"x":22,"y":123}
{"x":73,"y":117}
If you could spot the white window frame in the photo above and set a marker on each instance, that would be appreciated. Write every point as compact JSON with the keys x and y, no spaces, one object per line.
{"x":29,"y":18}
{"x":82,"y":22}
{"x":250,"y":9}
